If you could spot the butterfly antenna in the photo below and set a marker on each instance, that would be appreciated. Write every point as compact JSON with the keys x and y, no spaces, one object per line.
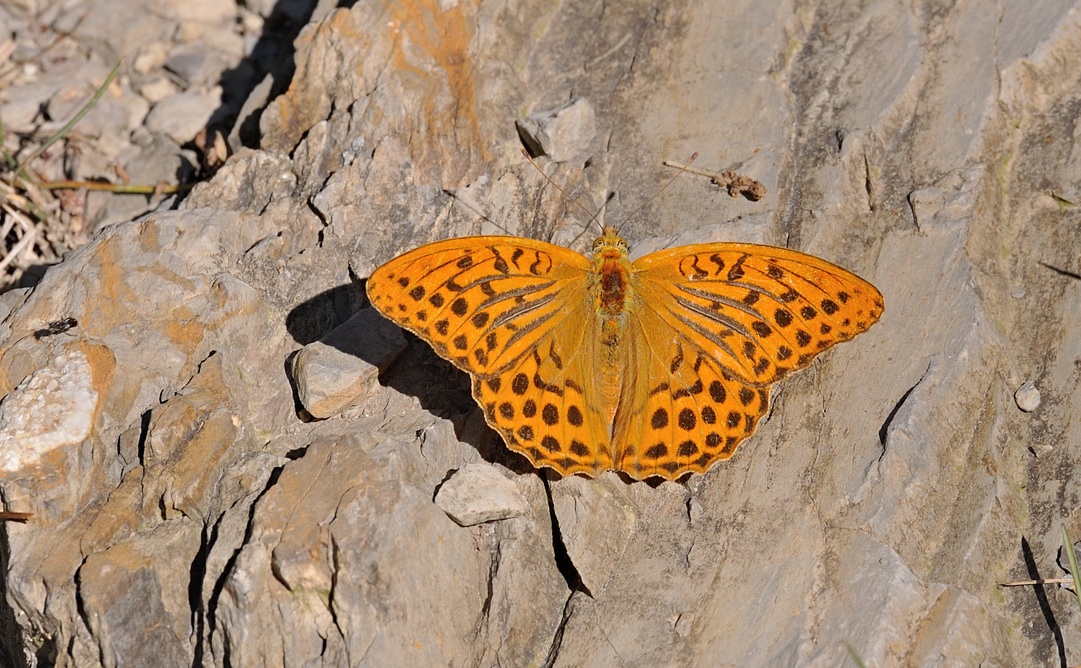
{"x":643,"y":205}
{"x":472,"y":207}
{"x":566,"y":196}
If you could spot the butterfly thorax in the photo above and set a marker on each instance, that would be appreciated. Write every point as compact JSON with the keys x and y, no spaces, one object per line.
{"x":612,"y":270}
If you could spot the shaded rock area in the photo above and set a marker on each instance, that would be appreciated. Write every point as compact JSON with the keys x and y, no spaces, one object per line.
{"x":189,"y":509}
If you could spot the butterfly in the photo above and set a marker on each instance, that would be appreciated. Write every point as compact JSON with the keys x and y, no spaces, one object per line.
{"x":655,"y":367}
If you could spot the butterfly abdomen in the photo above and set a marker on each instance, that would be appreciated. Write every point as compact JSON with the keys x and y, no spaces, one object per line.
{"x":611,"y":292}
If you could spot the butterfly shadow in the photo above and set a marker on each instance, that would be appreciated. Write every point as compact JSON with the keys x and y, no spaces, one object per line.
{"x":445,"y":391}
{"x":341,"y":318}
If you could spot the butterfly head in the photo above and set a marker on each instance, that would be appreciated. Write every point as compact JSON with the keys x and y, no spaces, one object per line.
{"x":609,"y":244}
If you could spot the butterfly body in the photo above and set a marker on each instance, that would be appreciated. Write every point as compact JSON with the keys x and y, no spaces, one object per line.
{"x":654,"y":367}
{"x":609,"y":291}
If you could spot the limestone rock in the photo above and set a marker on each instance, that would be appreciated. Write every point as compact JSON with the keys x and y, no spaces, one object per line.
{"x":180,"y":116}
{"x":1027,"y":397}
{"x":54,"y":407}
{"x":187,"y":510}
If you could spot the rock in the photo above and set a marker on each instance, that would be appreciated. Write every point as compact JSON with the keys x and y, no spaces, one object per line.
{"x":73,"y":83}
{"x":181,"y":116}
{"x":108,"y":117}
{"x":325,"y":526}
{"x":187,"y":63}
{"x":153,"y":160}
{"x":596,"y":520}
{"x":150,"y":58}
{"x":114,"y":579}
{"x":76,"y":89}
{"x":1027,"y":397}
{"x":208,"y":12}
{"x":121,"y":28}
{"x":193,"y":504}
{"x":561,"y":134}
{"x":52,"y":408}
{"x":333,"y":373}
{"x":478,"y":493}
{"x":157,"y":88}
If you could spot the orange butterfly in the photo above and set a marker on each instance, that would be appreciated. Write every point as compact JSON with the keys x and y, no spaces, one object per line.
{"x":654,"y":367}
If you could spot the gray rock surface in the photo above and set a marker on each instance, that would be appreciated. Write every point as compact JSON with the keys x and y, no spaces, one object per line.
{"x":206,"y":519}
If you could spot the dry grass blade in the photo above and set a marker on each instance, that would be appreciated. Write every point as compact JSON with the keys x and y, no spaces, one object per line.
{"x":120,"y":188}
{"x":30,"y":233}
{"x":1030,"y":583}
{"x":30,"y":226}
{"x":856,"y":658}
{"x":62,"y":132}
{"x":1074,"y":579}
{"x":1072,"y":556}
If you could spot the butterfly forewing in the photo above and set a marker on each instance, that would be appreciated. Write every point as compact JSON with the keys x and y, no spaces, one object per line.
{"x":760,"y":311}
{"x":714,"y":326}
{"x":480,"y":305}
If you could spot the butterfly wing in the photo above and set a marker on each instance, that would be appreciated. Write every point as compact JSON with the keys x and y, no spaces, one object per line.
{"x":516,"y":315}
{"x":713,"y":325}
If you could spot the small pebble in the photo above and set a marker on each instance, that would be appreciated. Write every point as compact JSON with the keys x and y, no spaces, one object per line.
{"x":1027,"y":397}
{"x":179,"y":117}
{"x":157,"y":88}
{"x":479,"y":493}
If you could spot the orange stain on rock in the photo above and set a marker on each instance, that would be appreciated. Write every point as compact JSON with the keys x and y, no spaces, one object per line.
{"x":102,"y":364}
{"x":184,"y":331}
{"x":114,"y":295}
{"x":444,"y":38}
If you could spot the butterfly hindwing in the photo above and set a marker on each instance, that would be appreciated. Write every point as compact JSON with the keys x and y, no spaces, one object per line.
{"x":543,"y":404}
{"x":687,"y":412}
